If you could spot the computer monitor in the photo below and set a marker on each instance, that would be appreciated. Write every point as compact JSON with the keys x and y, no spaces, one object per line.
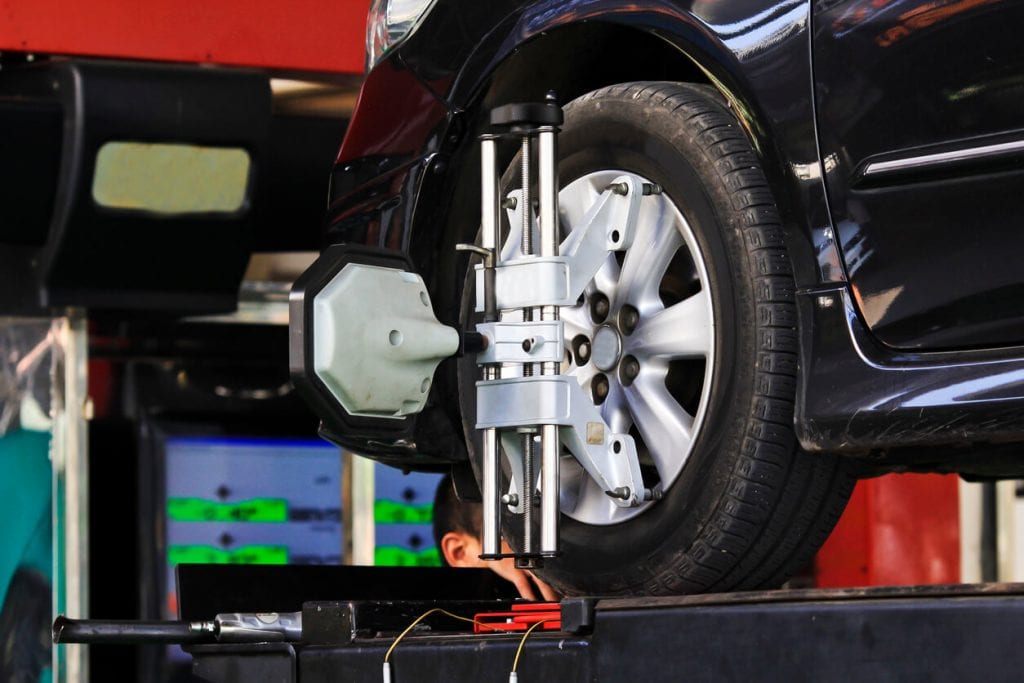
{"x":245,"y":499}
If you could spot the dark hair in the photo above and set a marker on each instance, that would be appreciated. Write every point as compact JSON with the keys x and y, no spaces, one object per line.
{"x":452,"y":514}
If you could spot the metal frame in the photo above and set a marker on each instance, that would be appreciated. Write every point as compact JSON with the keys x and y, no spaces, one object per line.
{"x":917,"y":633}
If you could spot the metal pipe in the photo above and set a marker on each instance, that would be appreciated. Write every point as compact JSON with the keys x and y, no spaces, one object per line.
{"x":490,"y":224}
{"x":489,"y":240}
{"x":547,"y":196}
{"x":488,"y":192}
{"x":547,"y":175}
{"x":526,"y":245}
{"x":549,"y":503}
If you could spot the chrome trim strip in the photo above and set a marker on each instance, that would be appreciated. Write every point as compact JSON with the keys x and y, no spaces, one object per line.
{"x":912,"y":163}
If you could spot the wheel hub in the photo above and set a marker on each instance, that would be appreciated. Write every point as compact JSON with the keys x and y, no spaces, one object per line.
{"x":607,"y":348}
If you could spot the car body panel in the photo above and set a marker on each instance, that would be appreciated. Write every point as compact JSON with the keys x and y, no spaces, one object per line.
{"x":416,"y":191}
{"x":919,"y":106}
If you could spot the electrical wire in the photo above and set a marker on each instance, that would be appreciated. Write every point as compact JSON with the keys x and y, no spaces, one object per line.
{"x":436,"y":610}
{"x":522,"y":643}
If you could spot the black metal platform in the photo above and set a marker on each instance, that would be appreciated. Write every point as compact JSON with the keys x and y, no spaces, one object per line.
{"x":938,"y":633}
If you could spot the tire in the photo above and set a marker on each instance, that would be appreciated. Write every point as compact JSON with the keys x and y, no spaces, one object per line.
{"x":741,"y":506}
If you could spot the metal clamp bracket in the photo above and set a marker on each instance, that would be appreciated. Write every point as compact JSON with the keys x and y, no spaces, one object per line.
{"x":532,"y":342}
{"x":530,"y":281}
{"x":611,"y":459}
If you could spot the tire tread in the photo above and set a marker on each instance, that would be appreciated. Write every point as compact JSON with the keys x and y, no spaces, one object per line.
{"x":778,"y":503}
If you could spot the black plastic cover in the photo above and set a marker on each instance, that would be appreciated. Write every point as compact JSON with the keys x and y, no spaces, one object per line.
{"x":527,"y":114}
{"x":58,"y":247}
{"x":390,"y":435}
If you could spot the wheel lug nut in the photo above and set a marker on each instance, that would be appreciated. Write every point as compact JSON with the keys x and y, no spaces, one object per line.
{"x":599,"y":307}
{"x":628,"y":370}
{"x":581,"y":349}
{"x":629,"y":318}
{"x":599,"y":389}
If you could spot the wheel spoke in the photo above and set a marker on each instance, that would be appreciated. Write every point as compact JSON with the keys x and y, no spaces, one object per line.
{"x":614,"y":410}
{"x":594,"y":504}
{"x":572,"y":479}
{"x":607,"y":279}
{"x":667,"y":429}
{"x":576,"y":321}
{"x":656,"y":242}
{"x":683,"y":330}
{"x":574,"y":201}
{"x":584,"y":375}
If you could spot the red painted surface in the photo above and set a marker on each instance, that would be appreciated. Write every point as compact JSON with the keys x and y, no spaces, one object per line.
{"x":304,"y":35}
{"x":900,"y":529}
{"x":101,"y":386}
{"x":394,"y":115}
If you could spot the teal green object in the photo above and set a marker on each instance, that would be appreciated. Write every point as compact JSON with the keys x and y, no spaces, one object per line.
{"x":25,"y":505}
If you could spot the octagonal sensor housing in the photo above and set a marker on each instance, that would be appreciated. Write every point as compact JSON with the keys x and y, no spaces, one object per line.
{"x":365,"y":342}
{"x":376,"y":341}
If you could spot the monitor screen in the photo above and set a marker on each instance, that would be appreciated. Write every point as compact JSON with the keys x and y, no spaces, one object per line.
{"x":245,"y":500}
{"x":403,"y":512}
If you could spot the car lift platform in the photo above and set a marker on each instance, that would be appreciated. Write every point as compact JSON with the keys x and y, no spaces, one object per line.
{"x":929,"y":633}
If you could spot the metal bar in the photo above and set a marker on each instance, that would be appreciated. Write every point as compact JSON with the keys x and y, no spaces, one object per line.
{"x":526,"y":244}
{"x":130,"y":632}
{"x":70,"y":487}
{"x":490,"y":225}
{"x":549,"y":504}
{"x":490,"y":239}
{"x":488,"y":193}
{"x":547,"y":174}
{"x":491,"y":542}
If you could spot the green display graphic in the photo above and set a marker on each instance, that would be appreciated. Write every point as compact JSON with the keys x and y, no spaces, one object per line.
{"x":393,"y":556}
{"x":207,"y":554}
{"x":392,"y":512}
{"x":252,"y":510}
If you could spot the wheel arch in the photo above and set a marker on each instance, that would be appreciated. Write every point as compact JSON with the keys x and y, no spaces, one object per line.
{"x":576,"y":58}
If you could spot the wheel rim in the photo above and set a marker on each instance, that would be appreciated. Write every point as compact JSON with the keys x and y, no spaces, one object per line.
{"x":654,"y":348}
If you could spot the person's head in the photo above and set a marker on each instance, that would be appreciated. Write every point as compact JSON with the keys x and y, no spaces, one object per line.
{"x":456,"y":526}
{"x":457,"y":529}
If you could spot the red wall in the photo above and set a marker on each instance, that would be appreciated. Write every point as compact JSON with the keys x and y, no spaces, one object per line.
{"x":900,"y":529}
{"x":304,"y":35}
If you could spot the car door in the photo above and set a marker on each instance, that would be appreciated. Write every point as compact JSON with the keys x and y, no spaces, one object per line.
{"x":920,"y":111}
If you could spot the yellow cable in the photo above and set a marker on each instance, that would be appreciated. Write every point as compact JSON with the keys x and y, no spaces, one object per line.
{"x":426,"y":614}
{"x":515,"y":662}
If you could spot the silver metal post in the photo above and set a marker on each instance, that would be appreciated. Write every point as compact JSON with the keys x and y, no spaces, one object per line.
{"x":489,"y":193}
{"x":547,"y":176}
{"x":547,"y":169}
{"x":526,"y":244}
{"x":491,"y":542}
{"x":549,"y":503}
{"x":70,"y":453}
{"x":491,"y":536}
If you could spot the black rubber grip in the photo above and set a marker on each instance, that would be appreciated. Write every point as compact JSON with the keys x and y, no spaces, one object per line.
{"x":106,"y":631}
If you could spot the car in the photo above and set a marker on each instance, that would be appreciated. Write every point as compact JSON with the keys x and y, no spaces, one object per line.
{"x":823,"y":284}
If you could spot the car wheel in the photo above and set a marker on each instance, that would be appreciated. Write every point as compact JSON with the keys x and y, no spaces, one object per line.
{"x":691,"y":335}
